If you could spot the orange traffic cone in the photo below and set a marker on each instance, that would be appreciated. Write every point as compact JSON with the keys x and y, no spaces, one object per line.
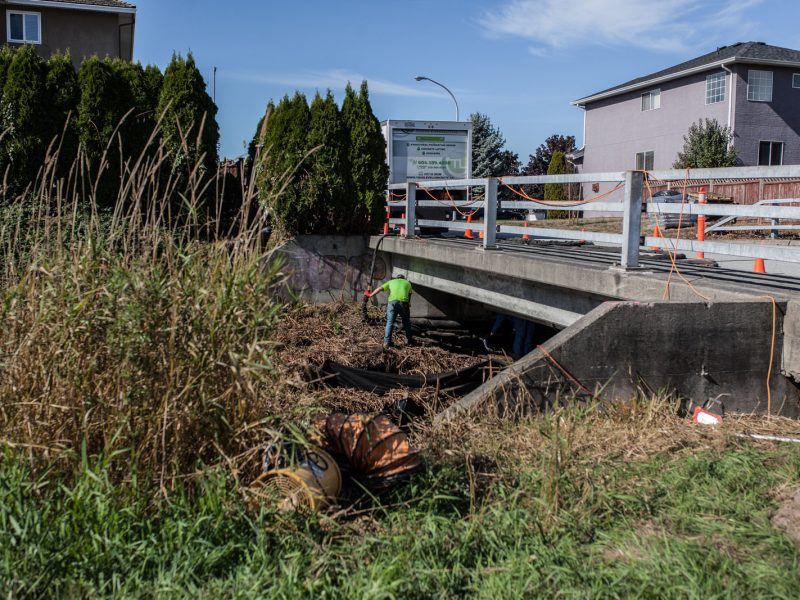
{"x":758,"y":267}
{"x":468,"y":230}
{"x":480,"y":234}
{"x":386,"y":223}
{"x":657,"y":234}
{"x":403,"y":227}
{"x":525,"y":236}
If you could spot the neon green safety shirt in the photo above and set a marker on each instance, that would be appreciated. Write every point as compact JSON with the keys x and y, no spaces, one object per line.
{"x":399,"y":289}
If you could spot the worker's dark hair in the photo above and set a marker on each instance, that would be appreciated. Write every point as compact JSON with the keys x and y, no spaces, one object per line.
{"x":401,"y":276}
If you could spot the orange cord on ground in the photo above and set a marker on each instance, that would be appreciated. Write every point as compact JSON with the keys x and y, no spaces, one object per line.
{"x":564,"y":371}
{"x":771,"y":351}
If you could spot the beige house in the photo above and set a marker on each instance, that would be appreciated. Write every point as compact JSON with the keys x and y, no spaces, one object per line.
{"x":84,"y":27}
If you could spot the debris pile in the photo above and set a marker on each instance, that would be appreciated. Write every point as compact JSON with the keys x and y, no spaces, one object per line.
{"x":336,"y":333}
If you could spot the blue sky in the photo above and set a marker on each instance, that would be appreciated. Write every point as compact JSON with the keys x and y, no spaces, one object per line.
{"x":519,"y":61}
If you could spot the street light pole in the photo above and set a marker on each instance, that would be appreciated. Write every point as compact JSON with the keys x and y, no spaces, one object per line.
{"x":423,"y":78}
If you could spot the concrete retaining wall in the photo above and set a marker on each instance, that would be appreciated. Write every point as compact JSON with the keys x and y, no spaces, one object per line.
{"x":326,"y":268}
{"x":701,"y":351}
{"x":329,"y":268}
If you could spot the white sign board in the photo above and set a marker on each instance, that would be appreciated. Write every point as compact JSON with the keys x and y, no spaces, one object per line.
{"x":426,"y":153}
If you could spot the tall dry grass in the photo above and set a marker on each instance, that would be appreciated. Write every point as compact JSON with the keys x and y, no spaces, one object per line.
{"x":140,"y":333}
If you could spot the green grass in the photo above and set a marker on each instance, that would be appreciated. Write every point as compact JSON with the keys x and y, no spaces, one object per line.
{"x":691,"y":527}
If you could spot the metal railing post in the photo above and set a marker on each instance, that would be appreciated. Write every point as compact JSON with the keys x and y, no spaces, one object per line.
{"x":490,"y":214}
{"x":632,"y":219}
{"x":411,"y":209}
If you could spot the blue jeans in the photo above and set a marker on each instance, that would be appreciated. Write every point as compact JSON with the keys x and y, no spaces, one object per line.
{"x":397,"y":307}
{"x":523,"y":336}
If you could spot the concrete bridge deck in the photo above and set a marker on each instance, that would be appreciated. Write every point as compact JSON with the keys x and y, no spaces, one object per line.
{"x":556,"y":283}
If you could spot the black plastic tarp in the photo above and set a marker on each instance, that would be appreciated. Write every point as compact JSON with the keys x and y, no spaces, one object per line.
{"x":455,"y":383}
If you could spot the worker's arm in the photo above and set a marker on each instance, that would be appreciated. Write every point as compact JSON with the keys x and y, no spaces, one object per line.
{"x":377,"y":291}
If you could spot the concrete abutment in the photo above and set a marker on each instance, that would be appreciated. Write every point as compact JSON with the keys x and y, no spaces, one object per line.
{"x":700,"y":351}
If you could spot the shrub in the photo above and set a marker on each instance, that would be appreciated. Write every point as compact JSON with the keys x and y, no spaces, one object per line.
{"x":63,"y":94}
{"x":367,"y":157}
{"x":103,"y":104}
{"x":707,"y":145}
{"x":282,"y":171}
{"x":189,"y":126}
{"x":329,"y":203}
{"x":336,"y":161}
{"x":24,"y":117}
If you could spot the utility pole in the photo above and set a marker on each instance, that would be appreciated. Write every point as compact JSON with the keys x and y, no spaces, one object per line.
{"x":214,"y":86}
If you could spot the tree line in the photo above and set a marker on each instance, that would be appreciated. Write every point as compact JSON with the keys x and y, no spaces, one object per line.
{"x":319,"y":168}
{"x":490,"y":158}
{"x":108,"y":114}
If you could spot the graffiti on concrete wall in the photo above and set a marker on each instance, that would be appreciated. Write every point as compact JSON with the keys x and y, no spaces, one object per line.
{"x":316,"y":272}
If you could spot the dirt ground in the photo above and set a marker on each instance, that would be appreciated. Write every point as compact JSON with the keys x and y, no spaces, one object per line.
{"x":787,"y":517}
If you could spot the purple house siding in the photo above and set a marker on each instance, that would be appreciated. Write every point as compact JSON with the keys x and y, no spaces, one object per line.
{"x":777,"y":121}
{"x":82,"y":27}
{"x":616,"y":128}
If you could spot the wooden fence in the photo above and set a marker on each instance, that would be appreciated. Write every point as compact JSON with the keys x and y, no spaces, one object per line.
{"x":741,"y":191}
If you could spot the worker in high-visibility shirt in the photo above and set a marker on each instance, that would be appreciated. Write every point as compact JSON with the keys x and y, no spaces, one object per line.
{"x":399,"y":304}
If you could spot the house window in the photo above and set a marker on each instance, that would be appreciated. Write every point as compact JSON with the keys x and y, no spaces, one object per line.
{"x":796,"y":80}
{"x":715,"y":88}
{"x":24,"y":27}
{"x":770,"y":153}
{"x":651,"y":100}
{"x":759,"y":86}
{"x":644,"y":161}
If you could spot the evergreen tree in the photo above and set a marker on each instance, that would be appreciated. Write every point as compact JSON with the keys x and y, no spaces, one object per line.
{"x":137,"y":94}
{"x":152,"y":83}
{"x":328,"y":199}
{"x":62,"y":95}
{"x":539,"y":162}
{"x":105,"y":99}
{"x":367,"y":156}
{"x":282,"y":171}
{"x":6,"y":56}
{"x":186,"y":107}
{"x":558,"y":166}
{"x":510,"y":166}
{"x":707,"y":145}
{"x":487,"y":147}
{"x":257,"y":142}
{"x":24,"y":116}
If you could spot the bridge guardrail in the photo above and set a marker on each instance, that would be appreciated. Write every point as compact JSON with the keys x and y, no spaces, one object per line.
{"x":631,"y":185}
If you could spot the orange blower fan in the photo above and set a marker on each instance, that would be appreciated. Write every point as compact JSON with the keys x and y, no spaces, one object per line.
{"x":376,"y":451}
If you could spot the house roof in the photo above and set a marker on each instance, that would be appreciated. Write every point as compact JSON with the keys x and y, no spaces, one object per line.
{"x":99,"y":5}
{"x":741,"y":52}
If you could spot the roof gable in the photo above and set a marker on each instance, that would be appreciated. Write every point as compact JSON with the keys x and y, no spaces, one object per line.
{"x":755,"y":52}
{"x":100,"y":5}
